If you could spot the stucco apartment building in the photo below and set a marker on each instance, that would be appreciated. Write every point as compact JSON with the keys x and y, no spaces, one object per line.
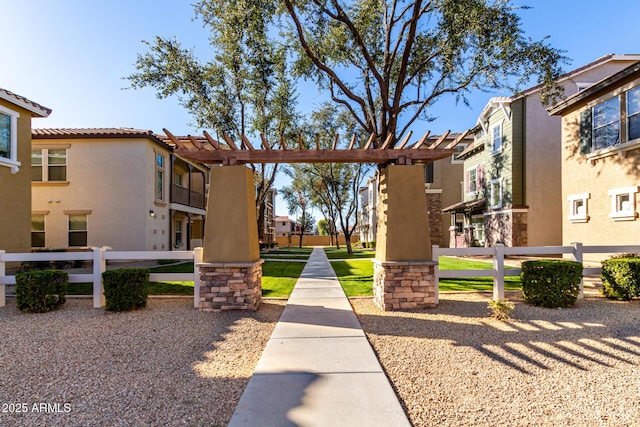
{"x":16,"y":113}
{"x":116,"y":187}
{"x":512,"y":171}
{"x":601,"y":162}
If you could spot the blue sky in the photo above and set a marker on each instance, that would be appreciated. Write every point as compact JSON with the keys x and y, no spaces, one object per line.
{"x":71,"y":55}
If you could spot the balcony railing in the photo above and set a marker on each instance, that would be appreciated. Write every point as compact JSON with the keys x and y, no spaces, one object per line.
{"x":185,"y":197}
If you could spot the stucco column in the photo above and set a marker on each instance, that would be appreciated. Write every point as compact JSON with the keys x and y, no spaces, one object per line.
{"x":231,"y":271}
{"x":403,"y":269}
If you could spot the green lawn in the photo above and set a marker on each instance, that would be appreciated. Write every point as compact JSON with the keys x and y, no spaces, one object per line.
{"x":333,"y":253}
{"x":279,"y":278}
{"x":355,"y":276}
{"x":473,"y":283}
{"x":287,"y":252}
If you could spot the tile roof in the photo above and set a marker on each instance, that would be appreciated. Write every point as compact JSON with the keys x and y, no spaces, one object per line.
{"x":34,"y":107}
{"x":77,"y":133}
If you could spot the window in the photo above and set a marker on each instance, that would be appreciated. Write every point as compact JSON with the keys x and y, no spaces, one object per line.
{"x":623,"y":203}
{"x":178,"y":233}
{"x":578,"y":208}
{"x":473,"y":180}
{"x":606,"y":123}
{"x":428,"y":173}
{"x":159,"y":177}
{"x":49,"y":165}
{"x":459,"y":149}
{"x":633,"y":114}
{"x":77,"y":230}
{"x":496,"y":139}
{"x":9,"y":139}
{"x":37,"y":231}
{"x":496,"y":193}
{"x":477,"y":222}
{"x":177,"y":178}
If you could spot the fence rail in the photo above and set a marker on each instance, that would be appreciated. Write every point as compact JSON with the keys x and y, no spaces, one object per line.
{"x":99,"y":258}
{"x":498,"y":253}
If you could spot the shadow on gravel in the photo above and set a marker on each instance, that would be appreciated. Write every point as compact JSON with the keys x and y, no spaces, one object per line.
{"x":595,"y":331}
{"x":168,"y":364}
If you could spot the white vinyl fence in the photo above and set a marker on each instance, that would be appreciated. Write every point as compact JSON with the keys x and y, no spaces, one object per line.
{"x":576,"y":253}
{"x":99,"y":258}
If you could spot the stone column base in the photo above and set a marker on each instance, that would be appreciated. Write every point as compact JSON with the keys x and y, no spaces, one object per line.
{"x":404,"y":285}
{"x":230,"y":286}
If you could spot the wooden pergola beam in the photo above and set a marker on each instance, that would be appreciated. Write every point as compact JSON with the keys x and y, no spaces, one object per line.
{"x":422,"y":140}
{"x":440,"y":140}
{"x":215,"y":144}
{"x":460,"y":137}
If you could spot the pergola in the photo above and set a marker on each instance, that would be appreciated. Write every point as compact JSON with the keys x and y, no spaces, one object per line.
{"x":404,"y":272}
{"x":231,"y":153}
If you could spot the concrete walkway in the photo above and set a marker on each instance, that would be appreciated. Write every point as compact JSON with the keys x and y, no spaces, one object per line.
{"x":318,"y":368}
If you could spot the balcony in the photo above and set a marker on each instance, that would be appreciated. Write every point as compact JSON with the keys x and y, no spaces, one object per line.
{"x":185,"y":197}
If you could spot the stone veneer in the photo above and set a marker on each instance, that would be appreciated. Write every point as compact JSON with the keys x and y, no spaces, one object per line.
{"x":404,"y":285}
{"x":230,"y":286}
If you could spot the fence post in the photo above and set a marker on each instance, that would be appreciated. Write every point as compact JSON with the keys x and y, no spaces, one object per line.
{"x":197,"y":259}
{"x":498,"y":271}
{"x":435,"y":255}
{"x":577,"y":256}
{"x":99,"y":267}
{"x":2,"y":285}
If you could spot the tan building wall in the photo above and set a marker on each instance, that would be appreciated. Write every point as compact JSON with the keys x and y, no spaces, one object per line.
{"x":15,"y":185}
{"x":582,"y":176}
{"x":113,"y":181}
{"x":543,"y":156}
{"x":15,"y":191}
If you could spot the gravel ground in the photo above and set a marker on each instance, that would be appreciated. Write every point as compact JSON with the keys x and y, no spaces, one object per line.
{"x":166,"y":365}
{"x":456,"y":366}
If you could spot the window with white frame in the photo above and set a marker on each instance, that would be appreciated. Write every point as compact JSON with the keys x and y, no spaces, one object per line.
{"x":9,"y":139}
{"x":495,"y":193}
{"x":623,"y":203}
{"x":178,"y":233}
{"x":477,"y":222}
{"x":472,"y":180}
{"x":49,"y":164}
{"x":496,"y":139}
{"x":578,"y":207}
{"x":78,"y":230}
{"x":37,"y":231}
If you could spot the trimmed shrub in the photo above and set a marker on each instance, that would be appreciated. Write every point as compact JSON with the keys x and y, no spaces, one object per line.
{"x":40,"y":291}
{"x":126,"y":288}
{"x":551,"y":283}
{"x":621,"y":278}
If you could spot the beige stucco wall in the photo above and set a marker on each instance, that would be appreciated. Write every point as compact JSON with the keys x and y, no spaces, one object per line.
{"x":114,"y":180}
{"x":448,"y":175}
{"x":580,"y":176}
{"x":544,"y":195}
{"x":15,"y":190}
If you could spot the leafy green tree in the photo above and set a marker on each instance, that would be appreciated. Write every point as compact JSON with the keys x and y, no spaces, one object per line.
{"x":297,"y":197}
{"x":245,"y":88}
{"x":388,"y":62}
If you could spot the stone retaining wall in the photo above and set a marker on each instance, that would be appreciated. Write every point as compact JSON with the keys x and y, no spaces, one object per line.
{"x":404,"y":285}
{"x":230,"y":286}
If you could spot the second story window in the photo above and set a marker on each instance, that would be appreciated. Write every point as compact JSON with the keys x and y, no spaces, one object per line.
{"x":159,"y":177}
{"x":9,"y":139}
{"x":496,"y":139}
{"x":472,"y":180}
{"x":606,"y":123}
{"x":49,"y":165}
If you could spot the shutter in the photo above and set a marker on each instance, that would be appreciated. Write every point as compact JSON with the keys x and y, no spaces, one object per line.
{"x":586,"y":127}
{"x":467,"y":185}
